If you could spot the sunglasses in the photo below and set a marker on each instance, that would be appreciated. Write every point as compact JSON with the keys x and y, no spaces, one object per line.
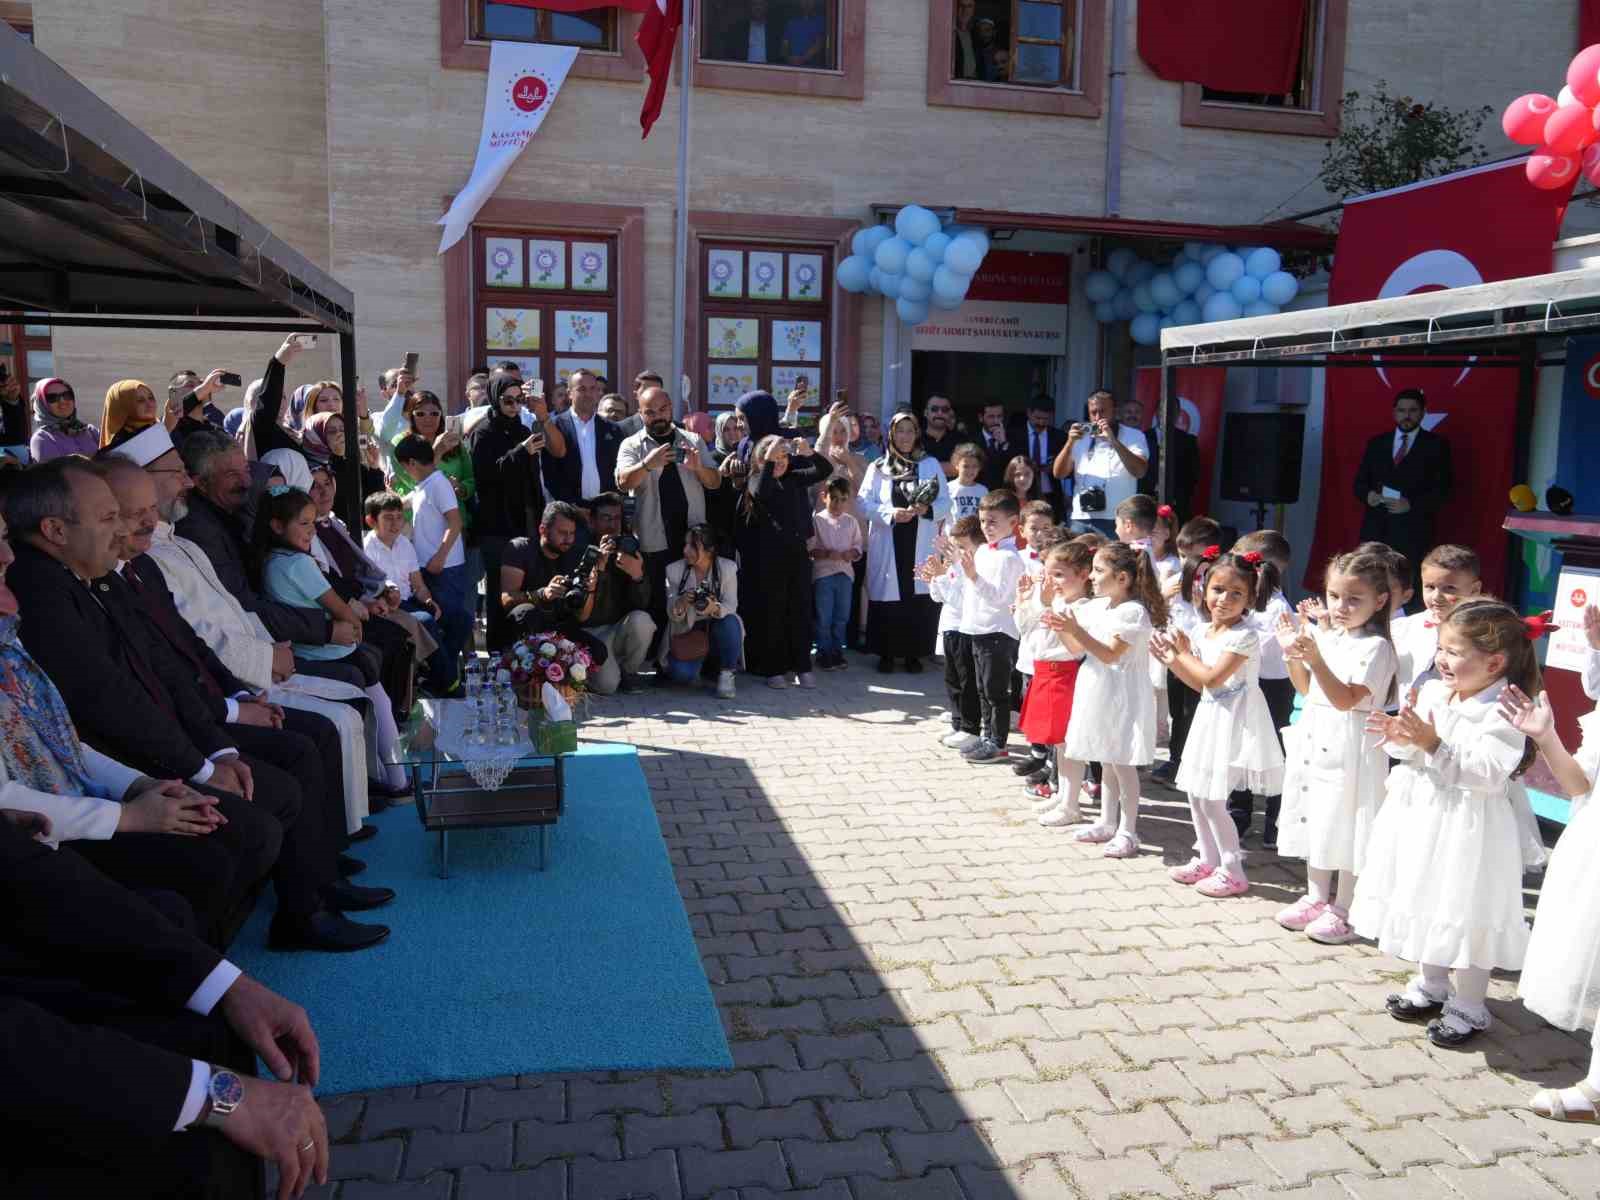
{"x":66,"y":395}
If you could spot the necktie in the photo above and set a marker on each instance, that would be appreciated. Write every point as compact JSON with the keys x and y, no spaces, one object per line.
{"x":1400,"y":450}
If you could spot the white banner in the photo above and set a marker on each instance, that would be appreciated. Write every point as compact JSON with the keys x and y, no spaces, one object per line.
{"x":995,"y":327}
{"x":522,"y":86}
{"x":1568,"y":648}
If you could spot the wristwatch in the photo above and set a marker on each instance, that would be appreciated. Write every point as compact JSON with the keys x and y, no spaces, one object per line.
{"x":224,"y":1093}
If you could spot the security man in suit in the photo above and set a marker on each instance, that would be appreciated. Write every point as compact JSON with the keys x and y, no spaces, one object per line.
{"x":1404,"y":478}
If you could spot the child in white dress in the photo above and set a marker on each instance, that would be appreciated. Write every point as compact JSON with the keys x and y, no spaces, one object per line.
{"x":1332,"y":784}
{"x":1561,"y":971}
{"x":1232,"y":744}
{"x":1113,"y":709}
{"x":1442,"y":884}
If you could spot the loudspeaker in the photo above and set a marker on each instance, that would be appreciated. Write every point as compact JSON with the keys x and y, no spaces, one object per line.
{"x":1261,"y":457}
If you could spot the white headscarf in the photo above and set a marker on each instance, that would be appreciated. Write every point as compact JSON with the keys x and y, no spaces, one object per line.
{"x":292,"y":466}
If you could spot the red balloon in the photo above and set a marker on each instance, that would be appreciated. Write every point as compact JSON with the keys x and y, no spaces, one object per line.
{"x":1569,"y":130}
{"x":1591,"y":165}
{"x":1525,"y":116}
{"x":1583,"y":75}
{"x":1548,"y":170}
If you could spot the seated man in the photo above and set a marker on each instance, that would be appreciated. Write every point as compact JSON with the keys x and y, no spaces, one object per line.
{"x":128,"y":701}
{"x":539,"y":588}
{"x":128,"y":1048}
{"x":619,"y":615}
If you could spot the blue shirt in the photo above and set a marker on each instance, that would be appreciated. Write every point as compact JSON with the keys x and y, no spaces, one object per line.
{"x":294,"y":578}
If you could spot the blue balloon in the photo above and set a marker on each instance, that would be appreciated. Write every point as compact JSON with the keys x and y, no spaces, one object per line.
{"x":946,"y":303}
{"x":1146,"y":329}
{"x":1143,"y":272}
{"x":1211,"y":252}
{"x":1100,"y":285}
{"x":916,"y":290}
{"x":1195,"y":249}
{"x":1168,"y":321}
{"x":1246,"y":289}
{"x":1203,"y":293}
{"x":1120,"y":261}
{"x":951,"y":285}
{"x":889,"y":284}
{"x":1164,"y":291}
{"x":935,"y":245}
{"x":912,"y":312}
{"x":865,"y":241}
{"x":1186,"y":313}
{"x":1125,"y":305}
{"x":1279,"y":288}
{"x":1105,"y":312}
{"x":965,"y":254}
{"x":915,"y":223}
{"x":1188,"y":277}
{"x":920,"y":264}
{"x":1222,"y":270}
{"x":1260,"y":308}
{"x":891,"y":255}
{"x":1143,"y":300}
{"x":874,"y":279}
{"x":1262,"y":262}
{"x":852,"y":273}
{"x":1221,"y":307}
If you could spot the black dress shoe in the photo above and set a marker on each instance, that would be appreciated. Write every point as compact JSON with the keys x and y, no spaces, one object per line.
{"x":362,"y":834}
{"x":1447,"y":1038}
{"x":350,"y":866}
{"x":325,"y":931}
{"x":347,"y":897}
{"x":375,"y":803}
{"x":1402,"y":1009}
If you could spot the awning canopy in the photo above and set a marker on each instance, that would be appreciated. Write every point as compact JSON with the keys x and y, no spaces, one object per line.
{"x":97,"y":219}
{"x":1280,"y":235}
{"x":1490,"y":318}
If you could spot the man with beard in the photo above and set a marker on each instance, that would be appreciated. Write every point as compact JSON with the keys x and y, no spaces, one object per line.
{"x":997,"y":450}
{"x":1105,"y":461}
{"x":666,"y":470}
{"x":1403,"y":480}
{"x":939,"y":434}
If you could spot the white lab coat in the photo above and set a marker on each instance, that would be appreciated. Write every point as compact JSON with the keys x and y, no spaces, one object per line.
{"x":877,"y":508}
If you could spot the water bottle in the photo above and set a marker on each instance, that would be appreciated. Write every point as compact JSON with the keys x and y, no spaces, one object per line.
{"x":506,"y":710}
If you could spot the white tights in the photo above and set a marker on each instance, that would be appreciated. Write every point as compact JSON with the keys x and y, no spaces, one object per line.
{"x":1319,"y":885}
{"x":1119,"y":799}
{"x":388,"y":736}
{"x":1218,"y":836}
{"x":1069,"y":781}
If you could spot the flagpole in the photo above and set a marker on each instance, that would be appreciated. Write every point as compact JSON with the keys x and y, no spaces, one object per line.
{"x":680,"y":269}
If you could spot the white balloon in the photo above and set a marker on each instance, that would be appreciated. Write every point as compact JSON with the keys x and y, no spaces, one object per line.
{"x":1565,"y":98}
{"x":920,"y":264}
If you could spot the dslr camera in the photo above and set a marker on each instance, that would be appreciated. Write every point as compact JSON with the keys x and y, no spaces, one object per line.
{"x":1092,"y":499}
{"x":700,"y":599}
{"x":577,"y":583}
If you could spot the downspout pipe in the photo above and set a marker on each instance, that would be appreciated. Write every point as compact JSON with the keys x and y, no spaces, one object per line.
{"x":1115,"y":106}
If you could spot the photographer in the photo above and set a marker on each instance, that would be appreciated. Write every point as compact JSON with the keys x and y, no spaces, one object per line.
{"x":549,"y":584}
{"x":1106,"y":460}
{"x":704,"y":604}
{"x":617,"y":613}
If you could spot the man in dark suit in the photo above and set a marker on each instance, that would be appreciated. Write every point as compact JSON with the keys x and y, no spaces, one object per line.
{"x":587,"y":464}
{"x":1041,"y":442}
{"x":129,"y":701}
{"x":116,"y":1025}
{"x":752,"y":39}
{"x":1404,"y":478}
{"x":997,"y":451}
{"x":1184,"y":466}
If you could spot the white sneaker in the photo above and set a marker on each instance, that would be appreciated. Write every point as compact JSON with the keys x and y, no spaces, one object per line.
{"x":952,"y":738}
{"x":962,"y":742}
{"x":807,"y":679}
{"x":725,"y":685}
{"x":777,"y":682}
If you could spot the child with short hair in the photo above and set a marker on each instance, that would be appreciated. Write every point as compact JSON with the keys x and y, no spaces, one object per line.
{"x":1275,"y":685}
{"x":1232,"y":745}
{"x":1333,"y":784}
{"x":1057,"y":658}
{"x":390,"y":549}
{"x":835,"y":546}
{"x":1196,"y":535}
{"x":992,"y":571}
{"x":965,"y":490}
{"x":1450,"y":574}
{"x":947,"y":584}
{"x":1135,"y":520}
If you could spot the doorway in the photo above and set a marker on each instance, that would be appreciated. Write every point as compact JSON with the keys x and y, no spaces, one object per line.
{"x":974,"y":380}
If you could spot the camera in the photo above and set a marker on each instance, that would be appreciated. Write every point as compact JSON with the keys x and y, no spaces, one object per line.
{"x":926,"y":492}
{"x":627,"y":544}
{"x":1092,"y":499}
{"x":702,"y":596}
{"x":577,"y":583}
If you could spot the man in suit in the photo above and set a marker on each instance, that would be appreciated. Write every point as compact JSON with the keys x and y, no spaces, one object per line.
{"x":1404,"y":478}
{"x":752,"y":39}
{"x":587,"y":464}
{"x":131,"y":701}
{"x":1042,"y":441}
{"x":117,"y":1026}
{"x":997,"y":451}
{"x":1184,"y":465}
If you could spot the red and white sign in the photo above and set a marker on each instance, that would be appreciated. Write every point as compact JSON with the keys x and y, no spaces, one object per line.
{"x":523,"y":82}
{"x":1017,"y":304}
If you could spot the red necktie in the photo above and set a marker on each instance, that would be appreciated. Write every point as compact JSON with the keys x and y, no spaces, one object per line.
{"x":1400,"y":450}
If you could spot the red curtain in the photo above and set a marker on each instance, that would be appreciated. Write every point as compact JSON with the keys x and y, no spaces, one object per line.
{"x":1199,"y":398}
{"x":572,"y":6}
{"x":1227,"y":45}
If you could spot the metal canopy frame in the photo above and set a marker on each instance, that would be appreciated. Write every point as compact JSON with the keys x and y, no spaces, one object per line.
{"x":102,"y":227}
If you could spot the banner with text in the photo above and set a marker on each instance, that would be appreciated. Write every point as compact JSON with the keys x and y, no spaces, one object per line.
{"x":522,"y":85}
{"x":1017,"y":304}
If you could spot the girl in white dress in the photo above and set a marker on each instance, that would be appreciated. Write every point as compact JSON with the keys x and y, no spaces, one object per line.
{"x":1442,"y":885}
{"x":1561,"y":973}
{"x":1332,"y":784}
{"x":1113,"y":709}
{"x":1232,"y":744}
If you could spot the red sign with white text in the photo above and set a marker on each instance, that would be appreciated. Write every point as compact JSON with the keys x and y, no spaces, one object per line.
{"x":1023,"y":277}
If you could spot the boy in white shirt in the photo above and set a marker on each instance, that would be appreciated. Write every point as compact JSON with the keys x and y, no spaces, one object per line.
{"x":436,"y":537}
{"x":1275,"y":682}
{"x":992,"y":572}
{"x":948,"y":586}
{"x":1450,"y":574}
{"x":390,"y":550}
{"x":965,"y":490}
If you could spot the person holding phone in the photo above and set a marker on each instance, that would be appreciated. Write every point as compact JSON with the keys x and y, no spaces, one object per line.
{"x":263,"y":422}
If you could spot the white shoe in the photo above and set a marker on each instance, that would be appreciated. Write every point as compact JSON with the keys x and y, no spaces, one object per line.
{"x":962,"y":742}
{"x":807,"y":679}
{"x":951,"y":738}
{"x":725,"y":685}
{"x":1061,"y":814}
{"x":777,"y":682}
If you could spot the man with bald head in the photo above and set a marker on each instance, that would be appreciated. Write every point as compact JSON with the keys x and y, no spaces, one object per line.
{"x":666,"y":470}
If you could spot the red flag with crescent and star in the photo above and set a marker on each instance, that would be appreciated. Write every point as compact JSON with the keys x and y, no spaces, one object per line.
{"x":1475,"y":226}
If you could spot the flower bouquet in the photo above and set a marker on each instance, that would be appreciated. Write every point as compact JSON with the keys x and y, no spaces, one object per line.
{"x":542,"y":658}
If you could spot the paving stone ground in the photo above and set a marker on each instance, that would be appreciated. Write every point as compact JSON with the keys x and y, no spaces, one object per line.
{"x":928,"y":996}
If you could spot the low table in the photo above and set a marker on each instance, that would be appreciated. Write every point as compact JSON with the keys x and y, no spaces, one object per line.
{"x":447,"y":796}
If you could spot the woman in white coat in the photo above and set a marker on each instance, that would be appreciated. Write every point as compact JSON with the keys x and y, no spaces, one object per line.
{"x":903,"y":619}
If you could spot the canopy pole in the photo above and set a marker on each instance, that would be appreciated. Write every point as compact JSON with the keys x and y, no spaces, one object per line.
{"x":349,"y":477}
{"x":1169,"y":425}
{"x":680,"y":267}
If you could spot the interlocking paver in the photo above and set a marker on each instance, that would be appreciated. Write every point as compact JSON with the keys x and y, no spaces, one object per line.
{"x":813,"y":1162}
{"x":429,"y":1151}
{"x":644,"y":1135}
{"x":1297,"y":1159}
{"x":706,"y":1171}
{"x":477,"y":1183}
{"x":654,"y":1177}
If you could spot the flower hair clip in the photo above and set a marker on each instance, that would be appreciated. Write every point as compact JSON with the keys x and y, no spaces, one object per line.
{"x":278,"y":489}
{"x":1253,"y":557}
{"x":1165,"y":512}
{"x":1540,"y":625}
{"x":1211,"y":554}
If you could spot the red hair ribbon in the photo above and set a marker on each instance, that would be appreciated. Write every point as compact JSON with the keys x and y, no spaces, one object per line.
{"x":1253,"y":557}
{"x":1540,"y":625}
{"x":1165,"y":512}
{"x":1210,"y":554}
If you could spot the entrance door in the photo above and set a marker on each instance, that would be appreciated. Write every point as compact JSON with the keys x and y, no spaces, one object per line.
{"x":974,"y":380}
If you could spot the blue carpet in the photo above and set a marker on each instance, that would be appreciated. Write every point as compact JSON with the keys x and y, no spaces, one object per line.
{"x":503,"y":970}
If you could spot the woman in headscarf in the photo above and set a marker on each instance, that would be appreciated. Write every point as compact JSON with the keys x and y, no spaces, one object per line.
{"x":723,"y":502}
{"x":903,"y":620}
{"x":760,"y":413}
{"x":292,"y":465}
{"x":297,"y":406}
{"x":233,"y":422}
{"x":57,"y":431}
{"x":130,"y":409}
{"x":323,"y":441}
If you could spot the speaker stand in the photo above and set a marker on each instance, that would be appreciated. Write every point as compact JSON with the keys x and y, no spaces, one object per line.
{"x":1261,"y":515}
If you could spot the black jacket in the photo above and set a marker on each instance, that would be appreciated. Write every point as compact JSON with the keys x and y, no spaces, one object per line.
{"x":125,"y":697}
{"x":995,"y":459}
{"x":1424,"y":477}
{"x":1185,"y":468}
{"x":563,"y":477}
{"x":154,"y":597}
{"x":508,"y":488}
{"x":220,"y":536}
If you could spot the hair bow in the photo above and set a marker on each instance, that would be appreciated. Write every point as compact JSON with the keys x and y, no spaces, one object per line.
{"x":278,"y":489}
{"x":1210,"y":554}
{"x":1538,"y":626}
{"x":1253,"y":557}
{"x":1165,"y":512}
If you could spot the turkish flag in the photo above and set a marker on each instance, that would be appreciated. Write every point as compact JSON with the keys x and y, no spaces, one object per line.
{"x":658,"y":38}
{"x":1199,"y":399}
{"x":1227,"y":45}
{"x":1474,"y":226}
{"x":573,"y":6}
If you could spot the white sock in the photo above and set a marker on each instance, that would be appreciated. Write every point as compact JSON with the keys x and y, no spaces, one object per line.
{"x":1466,"y":1009}
{"x":1126,"y":779}
{"x":1347,"y":891}
{"x":388,"y":735}
{"x":1069,"y":780}
{"x":1110,"y":800}
{"x":1226,"y":836}
{"x":1432,"y":986}
{"x":1319,"y":884}
{"x":1205,"y":845}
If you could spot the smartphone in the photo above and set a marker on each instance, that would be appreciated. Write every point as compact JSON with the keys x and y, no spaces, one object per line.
{"x":535,"y":387}
{"x":308,"y":341}
{"x":411,"y":363}
{"x":452,"y":424}
{"x":229,"y":379}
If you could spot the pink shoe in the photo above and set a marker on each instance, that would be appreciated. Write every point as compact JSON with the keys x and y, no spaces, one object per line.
{"x":1331,"y":928}
{"x":1221,"y":885}
{"x":1122,"y":846}
{"x":1191,"y":874}
{"x":1094,"y":835}
{"x":1301,"y":913}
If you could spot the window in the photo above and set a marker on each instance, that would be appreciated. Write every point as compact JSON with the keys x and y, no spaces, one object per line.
{"x":26,"y":354}
{"x":589,"y":29}
{"x":766,"y":320}
{"x":790,"y":47}
{"x":1039,"y":56}
{"x":1310,"y":107}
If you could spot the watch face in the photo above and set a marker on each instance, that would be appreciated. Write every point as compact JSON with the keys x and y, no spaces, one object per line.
{"x":226,"y":1088}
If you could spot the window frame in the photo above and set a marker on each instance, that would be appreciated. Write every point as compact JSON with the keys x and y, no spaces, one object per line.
{"x":1086,"y":101}
{"x":845,"y":81}
{"x":545,"y":16}
{"x":1322,"y":122}
{"x":458,"y":50}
